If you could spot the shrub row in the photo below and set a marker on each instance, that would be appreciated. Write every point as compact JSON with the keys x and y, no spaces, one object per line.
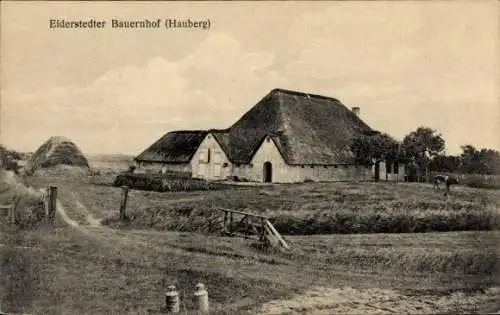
{"x":161,"y":184}
{"x":478,"y":180}
{"x":347,"y":222}
{"x":324,"y":222}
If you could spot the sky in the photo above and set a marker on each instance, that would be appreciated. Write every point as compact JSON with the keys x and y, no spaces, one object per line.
{"x":405,"y":64}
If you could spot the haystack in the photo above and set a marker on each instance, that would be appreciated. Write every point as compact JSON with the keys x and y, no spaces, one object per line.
{"x":59,"y":155}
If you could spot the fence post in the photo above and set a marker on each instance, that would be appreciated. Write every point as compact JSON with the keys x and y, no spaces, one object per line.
{"x":231,"y":223}
{"x":12,"y":213}
{"x":52,"y":203}
{"x":123,"y":204}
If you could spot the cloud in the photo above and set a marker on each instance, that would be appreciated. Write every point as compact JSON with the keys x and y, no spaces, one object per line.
{"x":405,"y":64}
{"x":132,"y":105}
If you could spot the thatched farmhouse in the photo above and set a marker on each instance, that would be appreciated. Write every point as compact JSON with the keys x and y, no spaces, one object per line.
{"x":287,"y":137}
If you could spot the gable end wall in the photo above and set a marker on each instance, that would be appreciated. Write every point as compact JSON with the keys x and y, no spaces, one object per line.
{"x":284,"y":173}
{"x":209,"y":170}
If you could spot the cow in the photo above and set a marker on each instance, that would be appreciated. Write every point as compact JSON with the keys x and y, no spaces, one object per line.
{"x":447,"y":180}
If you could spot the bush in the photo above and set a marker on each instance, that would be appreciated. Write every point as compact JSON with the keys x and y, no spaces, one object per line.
{"x":482,"y":181}
{"x":347,"y":222}
{"x":155,"y":182}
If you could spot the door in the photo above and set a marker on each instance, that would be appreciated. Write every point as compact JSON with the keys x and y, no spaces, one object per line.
{"x":377,"y":171}
{"x":201,"y":170}
{"x":268,"y":172}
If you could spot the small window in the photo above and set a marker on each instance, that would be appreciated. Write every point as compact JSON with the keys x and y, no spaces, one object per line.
{"x":325,"y":166}
{"x":267,"y":139}
{"x":203,"y":156}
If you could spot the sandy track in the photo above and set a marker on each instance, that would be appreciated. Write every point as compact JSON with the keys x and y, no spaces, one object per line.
{"x":323,"y":301}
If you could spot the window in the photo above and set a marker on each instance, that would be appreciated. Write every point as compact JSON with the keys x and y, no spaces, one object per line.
{"x":203,"y":156}
{"x":325,"y":166}
{"x":316,"y":172}
{"x":388,"y":167}
{"x":396,"y":167}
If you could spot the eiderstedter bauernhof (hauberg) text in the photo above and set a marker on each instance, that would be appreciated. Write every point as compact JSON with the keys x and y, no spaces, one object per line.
{"x":169,"y":23}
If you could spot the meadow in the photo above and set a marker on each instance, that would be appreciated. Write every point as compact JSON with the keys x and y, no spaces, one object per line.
{"x":322,"y":208}
{"x":124,"y":268}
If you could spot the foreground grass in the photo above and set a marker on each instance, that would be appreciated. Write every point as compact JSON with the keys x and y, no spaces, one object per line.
{"x":62,"y":271}
{"x":59,"y":271}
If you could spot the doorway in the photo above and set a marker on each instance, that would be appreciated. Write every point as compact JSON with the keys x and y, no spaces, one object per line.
{"x":268,"y":172}
{"x":377,"y":171}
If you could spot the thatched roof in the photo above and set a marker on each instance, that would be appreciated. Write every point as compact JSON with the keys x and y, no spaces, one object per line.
{"x":306,"y":128}
{"x":56,"y":151}
{"x":174,"y":147}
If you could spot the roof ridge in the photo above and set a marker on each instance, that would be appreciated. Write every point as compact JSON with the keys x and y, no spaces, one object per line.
{"x":186,"y":131}
{"x":292,"y":92}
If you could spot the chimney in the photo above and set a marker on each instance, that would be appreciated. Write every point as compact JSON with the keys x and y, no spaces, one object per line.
{"x":356,"y":110}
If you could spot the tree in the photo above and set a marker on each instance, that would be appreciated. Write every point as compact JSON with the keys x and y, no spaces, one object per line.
{"x":3,"y":157}
{"x":422,"y":146}
{"x":423,"y":142}
{"x":374,"y":147}
{"x":445,"y":163}
{"x":479,"y":161}
{"x":8,"y":159}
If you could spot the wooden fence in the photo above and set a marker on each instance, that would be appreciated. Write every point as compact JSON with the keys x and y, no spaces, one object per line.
{"x":50,"y":204}
{"x":251,"y":225}
{"x":9,"y":211}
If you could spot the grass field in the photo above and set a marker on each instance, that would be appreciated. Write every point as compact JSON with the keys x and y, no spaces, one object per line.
{"x":100,"y":270}
{"x":321,"y":208}
{"x":60,"y":271}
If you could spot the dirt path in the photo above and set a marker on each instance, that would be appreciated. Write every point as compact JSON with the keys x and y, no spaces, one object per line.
{"x":323,"y":301}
